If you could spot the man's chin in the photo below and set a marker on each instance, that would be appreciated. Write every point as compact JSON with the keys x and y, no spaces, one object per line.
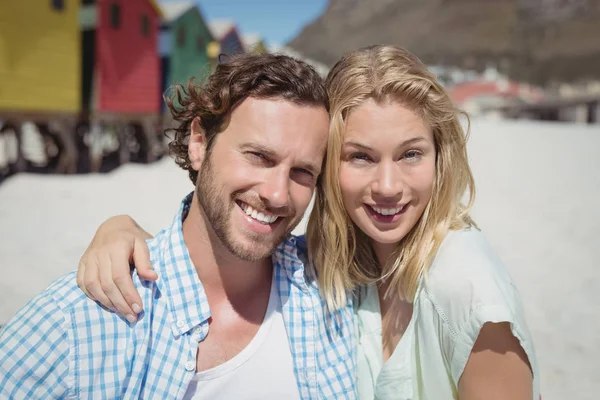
{"x":253,"y":254}
{"x":253,"y":249}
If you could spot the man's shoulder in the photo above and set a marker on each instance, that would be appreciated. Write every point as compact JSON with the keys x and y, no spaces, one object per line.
{"x":74,"y":305}
{"x":63,"y":294}
{"x":47,"y":308}
{"x":156,"y":244}
{"x":34,"y":344}
{"x":65,"y":298}
{"x":164,"y":247}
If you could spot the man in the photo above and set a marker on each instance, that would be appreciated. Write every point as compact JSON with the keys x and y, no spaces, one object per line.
{"x":235,"y":312}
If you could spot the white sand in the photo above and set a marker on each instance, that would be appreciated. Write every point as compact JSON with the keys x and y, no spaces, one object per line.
{"x":538,"y":192}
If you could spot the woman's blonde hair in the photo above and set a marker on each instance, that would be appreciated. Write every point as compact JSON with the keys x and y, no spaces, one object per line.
{"x":342,"y":253}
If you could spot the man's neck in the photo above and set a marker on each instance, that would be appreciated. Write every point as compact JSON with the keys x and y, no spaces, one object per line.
{"x":224,"y":276}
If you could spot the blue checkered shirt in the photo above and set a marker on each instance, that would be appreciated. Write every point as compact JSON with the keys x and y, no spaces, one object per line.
{"x":63,"y":345}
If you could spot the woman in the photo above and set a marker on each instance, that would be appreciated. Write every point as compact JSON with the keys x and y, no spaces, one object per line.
{"x":437,"y":315}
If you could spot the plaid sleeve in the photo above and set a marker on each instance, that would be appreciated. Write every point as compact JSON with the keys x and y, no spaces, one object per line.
{"x":34,"y":352}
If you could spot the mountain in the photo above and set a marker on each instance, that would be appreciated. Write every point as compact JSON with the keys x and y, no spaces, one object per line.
{"x":541,"y":41}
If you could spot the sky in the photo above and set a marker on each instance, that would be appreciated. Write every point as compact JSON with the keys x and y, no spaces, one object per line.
{"x":277,"y":21}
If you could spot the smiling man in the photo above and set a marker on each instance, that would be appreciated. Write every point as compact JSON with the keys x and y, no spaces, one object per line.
{"x":235,"y":313}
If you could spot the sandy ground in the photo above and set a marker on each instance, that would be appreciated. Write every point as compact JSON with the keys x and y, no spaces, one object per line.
{"x":538,"y":193}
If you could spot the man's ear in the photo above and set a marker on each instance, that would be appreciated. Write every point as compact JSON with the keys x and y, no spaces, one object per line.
{"x":197,"y":144}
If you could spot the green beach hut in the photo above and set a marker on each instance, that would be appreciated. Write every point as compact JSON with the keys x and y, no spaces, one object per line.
{"x":183,"y":42}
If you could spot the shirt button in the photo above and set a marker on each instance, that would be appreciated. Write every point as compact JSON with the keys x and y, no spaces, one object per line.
{"x":190,"y":365}
{"x":180,"y":324}
{"x":197,"y":333}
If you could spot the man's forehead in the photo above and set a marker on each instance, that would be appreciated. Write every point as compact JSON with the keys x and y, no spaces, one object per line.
{"x":275,"y":106}
{"x":282,"y":117}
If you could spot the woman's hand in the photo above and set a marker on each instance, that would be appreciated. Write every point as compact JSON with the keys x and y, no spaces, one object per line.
{"x":104,"y":272}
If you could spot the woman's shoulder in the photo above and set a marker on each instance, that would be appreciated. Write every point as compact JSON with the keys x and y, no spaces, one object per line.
{"x":468,"y":286}
{"x":467,"y":274}
{"x":464,"y":257}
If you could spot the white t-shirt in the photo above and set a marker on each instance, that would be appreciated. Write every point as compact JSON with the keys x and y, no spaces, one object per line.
{"x":467,"y":286}
{"x":262,"y":370}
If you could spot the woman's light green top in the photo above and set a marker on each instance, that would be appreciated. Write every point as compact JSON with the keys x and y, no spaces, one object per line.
{"x":467,"y":286}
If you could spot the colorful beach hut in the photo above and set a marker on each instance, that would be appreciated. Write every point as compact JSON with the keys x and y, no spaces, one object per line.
{"x":120,"y":64}
{"x":183,"y":44}
{"x":40,"y":76}
{"x":226,"y":33}
{"x":121,"y":79}
{"x":39,"y":58}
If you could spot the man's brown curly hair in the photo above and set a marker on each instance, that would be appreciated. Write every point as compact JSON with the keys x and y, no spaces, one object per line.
{"x":260,"y":76}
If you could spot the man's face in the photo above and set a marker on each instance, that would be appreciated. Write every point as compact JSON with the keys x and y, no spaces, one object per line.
{"x":257,"y":181}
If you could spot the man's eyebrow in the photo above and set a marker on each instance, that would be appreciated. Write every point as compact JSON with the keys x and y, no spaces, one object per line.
{"x":259,"y":148}
{"x":270,"y":153}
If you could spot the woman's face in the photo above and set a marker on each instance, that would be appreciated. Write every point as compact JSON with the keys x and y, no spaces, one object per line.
{"x":387,"y":171}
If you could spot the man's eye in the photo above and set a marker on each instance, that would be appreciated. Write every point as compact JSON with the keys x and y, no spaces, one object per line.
{"x":305,"y":171}
{"x":257,"y":156}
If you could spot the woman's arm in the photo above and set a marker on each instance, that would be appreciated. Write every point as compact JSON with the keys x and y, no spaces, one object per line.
{"x":497,"y":368}
{"x":104,"y":272}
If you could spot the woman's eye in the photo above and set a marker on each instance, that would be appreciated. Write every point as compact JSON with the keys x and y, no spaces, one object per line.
{"x":360,"y":157}
{"x":412,"y":155}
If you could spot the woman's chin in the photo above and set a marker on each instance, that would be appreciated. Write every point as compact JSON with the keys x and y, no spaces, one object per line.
{"x":385,"y":238}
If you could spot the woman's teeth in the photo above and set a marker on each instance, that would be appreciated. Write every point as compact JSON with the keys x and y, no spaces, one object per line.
{"x":387,"y":211}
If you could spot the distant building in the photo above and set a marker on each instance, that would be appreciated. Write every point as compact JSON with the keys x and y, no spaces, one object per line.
{"x":490,"y":91}
{"x":497,"y":96}
{"x":183,"y":44}
{"x":226,"y":33}
{"x":254,"y":43}
{"x":450,"y":76}
{"x":477,"y":97}
{"x":321,"y":68}
{"x":120,"y":62}
{"x":40,"y":56}
{"x":580,"y":109}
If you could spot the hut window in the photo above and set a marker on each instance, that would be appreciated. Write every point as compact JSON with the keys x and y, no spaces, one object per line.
{"x":115,"y":15}
{"x":58,"y":5}
{"x":200,"y":45}
{"x":145,"y":25}
{"x":180,"y":36}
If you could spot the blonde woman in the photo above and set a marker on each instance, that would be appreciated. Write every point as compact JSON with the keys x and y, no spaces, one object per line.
{"x":436,"y":313}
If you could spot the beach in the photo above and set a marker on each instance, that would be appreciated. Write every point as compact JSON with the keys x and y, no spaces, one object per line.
{"x":538,"y":188}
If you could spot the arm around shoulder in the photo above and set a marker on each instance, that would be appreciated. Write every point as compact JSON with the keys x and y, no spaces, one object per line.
{"x":104,"y":269}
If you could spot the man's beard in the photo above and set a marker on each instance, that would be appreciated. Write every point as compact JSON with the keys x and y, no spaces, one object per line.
{"x":218,"y":209}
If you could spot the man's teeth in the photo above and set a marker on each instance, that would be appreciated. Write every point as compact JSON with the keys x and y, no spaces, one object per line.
{"x":257,"y":215}
{"x":387,"y":211}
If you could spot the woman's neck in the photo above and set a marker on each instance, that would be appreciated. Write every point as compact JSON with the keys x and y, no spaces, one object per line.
{"x":383,"y":251}
{"x":395,"y":317}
